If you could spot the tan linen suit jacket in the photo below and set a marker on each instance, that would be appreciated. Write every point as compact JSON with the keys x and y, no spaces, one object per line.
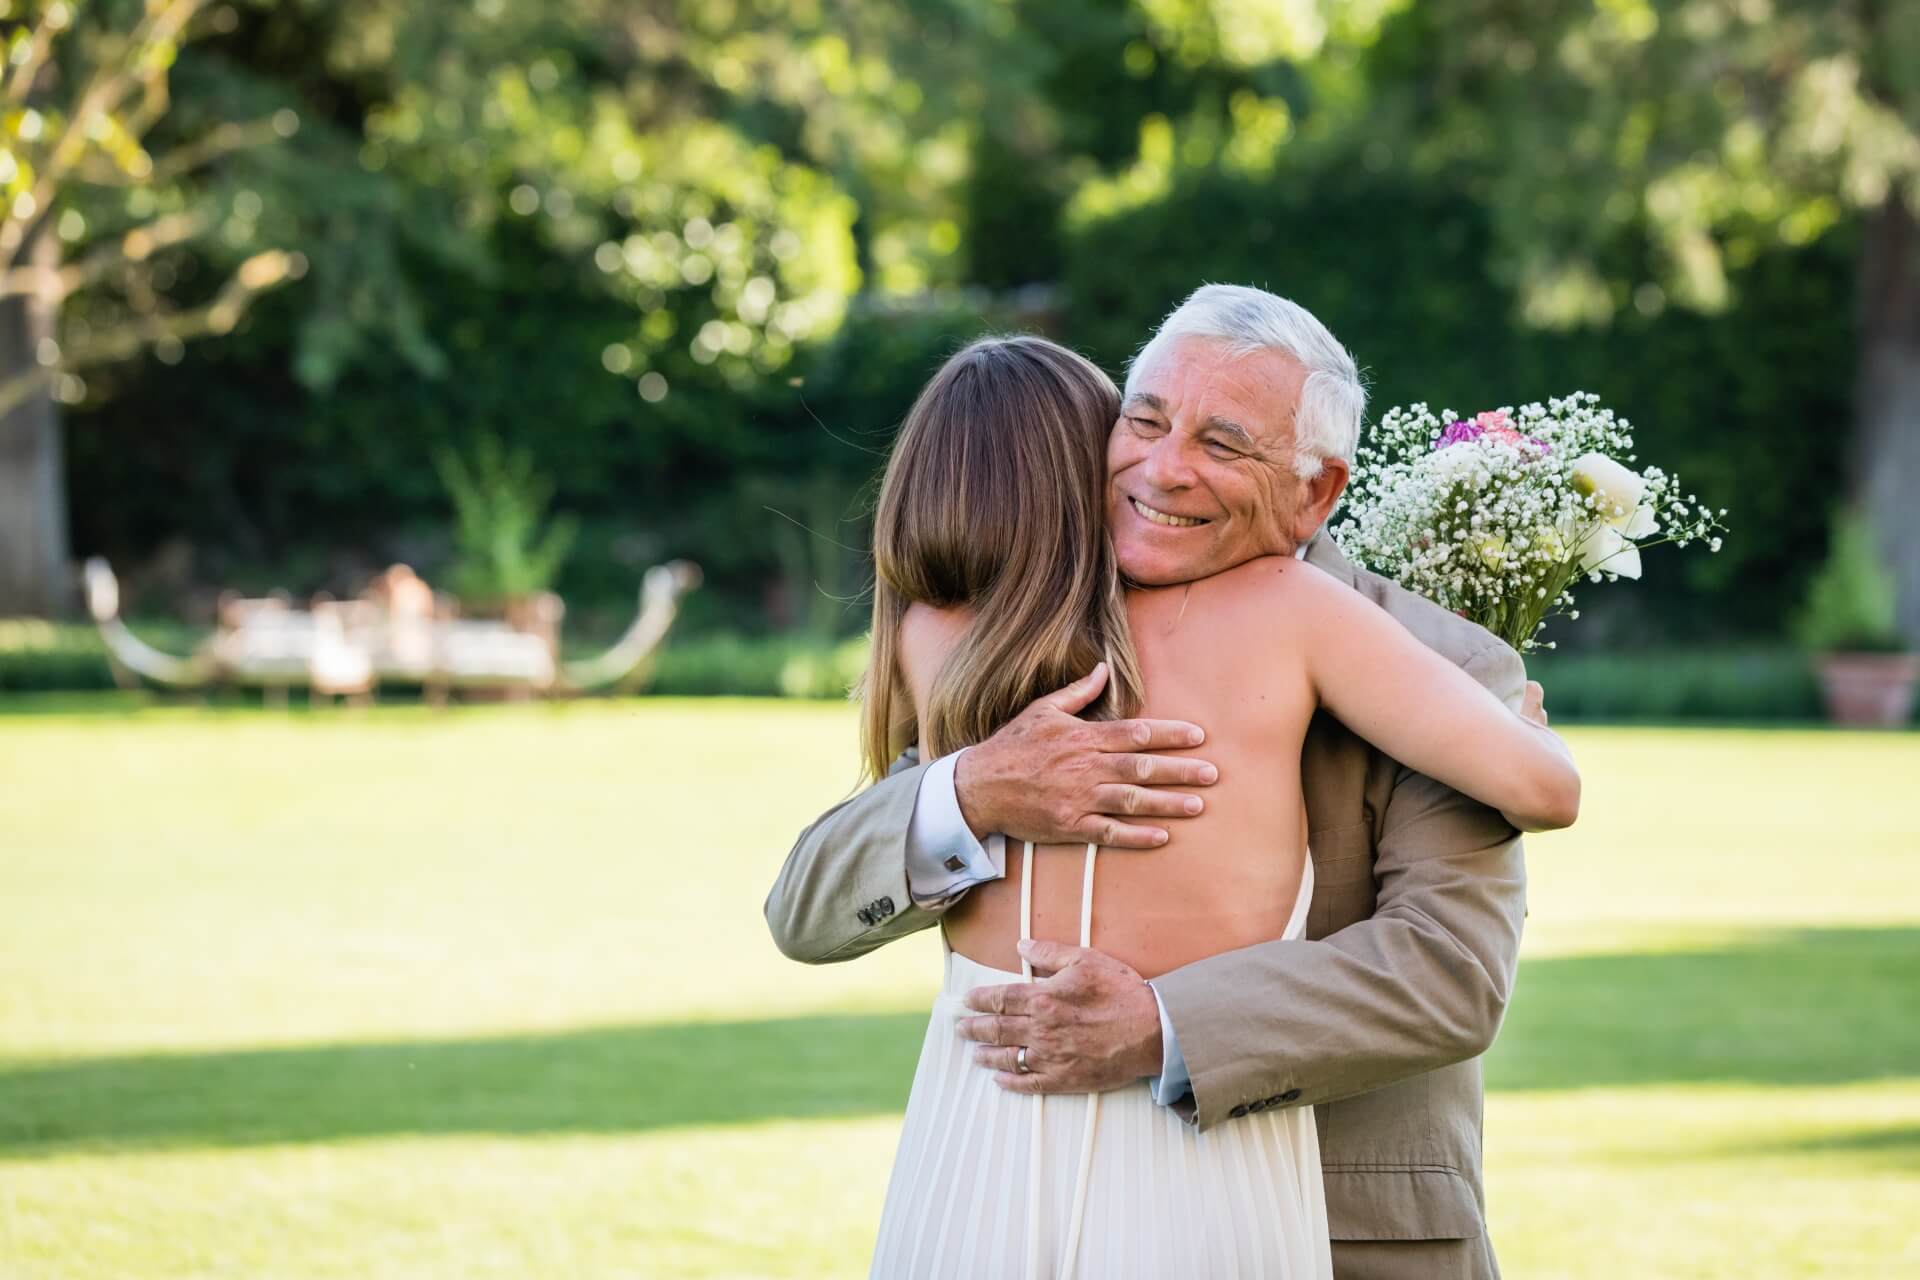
{"x":1376,"y":1019}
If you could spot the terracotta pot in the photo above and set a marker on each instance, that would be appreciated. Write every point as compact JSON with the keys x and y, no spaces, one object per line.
{"x":1869,"y":690}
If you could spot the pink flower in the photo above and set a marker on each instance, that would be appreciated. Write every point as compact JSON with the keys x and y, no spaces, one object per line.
{"x":1492,"y":424}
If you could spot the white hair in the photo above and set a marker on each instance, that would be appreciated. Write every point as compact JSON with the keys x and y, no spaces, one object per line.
{"x":1327,"y":422}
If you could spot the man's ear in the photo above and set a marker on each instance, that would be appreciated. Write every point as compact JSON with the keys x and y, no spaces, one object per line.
{"x":1322,"y":493}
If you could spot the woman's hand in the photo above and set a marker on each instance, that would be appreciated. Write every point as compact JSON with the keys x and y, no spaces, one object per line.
{"x":1533,"y":710}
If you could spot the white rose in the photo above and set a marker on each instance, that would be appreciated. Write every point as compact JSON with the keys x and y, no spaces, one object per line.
{"x":1605,"y":547}
{"x":1641,"y":524}
{"x":1616,"y":492}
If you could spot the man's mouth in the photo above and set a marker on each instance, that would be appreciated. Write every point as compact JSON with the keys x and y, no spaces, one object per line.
{"x":1161,"y":517}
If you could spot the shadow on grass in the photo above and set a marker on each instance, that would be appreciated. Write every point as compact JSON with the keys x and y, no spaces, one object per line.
{"x":24,"y":705}
{"x":1790,"y":1008}
{"x":1900,"y":1145}
{"x":1903,"y":1141}
{"x":602,"y":1080}
{"x":1787,"y":1007}
{"x":1894,"y":1149}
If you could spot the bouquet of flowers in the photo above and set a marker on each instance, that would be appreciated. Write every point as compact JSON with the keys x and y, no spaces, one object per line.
{"x":1496,"y":516}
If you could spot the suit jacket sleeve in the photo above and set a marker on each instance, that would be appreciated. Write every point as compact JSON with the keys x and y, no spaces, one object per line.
{"x":852,"y":860}
{"x":1419,"y":985}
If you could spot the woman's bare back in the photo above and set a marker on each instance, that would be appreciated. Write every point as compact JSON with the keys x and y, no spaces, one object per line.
{"x":1210,"y":653}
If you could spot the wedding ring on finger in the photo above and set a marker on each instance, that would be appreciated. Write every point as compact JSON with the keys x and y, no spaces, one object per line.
{"x":1020,"y":1066}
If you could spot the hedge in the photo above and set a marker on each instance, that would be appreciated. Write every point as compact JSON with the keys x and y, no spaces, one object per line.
{"x":1758,"y":684}
{"x":1673,"y":685}
{"x":37,"y":656}
{"x":768,"y":484}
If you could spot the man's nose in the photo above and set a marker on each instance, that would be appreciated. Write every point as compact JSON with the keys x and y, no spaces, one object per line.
{"x":1167,"y":465}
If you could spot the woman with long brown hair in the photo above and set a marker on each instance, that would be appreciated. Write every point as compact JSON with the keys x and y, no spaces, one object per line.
{"x":996,"y":583}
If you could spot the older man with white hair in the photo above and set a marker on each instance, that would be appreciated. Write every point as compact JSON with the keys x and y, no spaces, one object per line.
{"x":1236,"y":432}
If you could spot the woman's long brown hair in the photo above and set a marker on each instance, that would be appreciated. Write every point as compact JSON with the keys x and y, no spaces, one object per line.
{"x":995,"y":499}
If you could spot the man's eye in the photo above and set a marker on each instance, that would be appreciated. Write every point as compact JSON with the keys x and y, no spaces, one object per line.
{"x":1225,"y":452}
{"x":1144,"y":424}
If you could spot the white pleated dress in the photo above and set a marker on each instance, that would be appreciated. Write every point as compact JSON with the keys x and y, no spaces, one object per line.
{"x":992,"y":1185}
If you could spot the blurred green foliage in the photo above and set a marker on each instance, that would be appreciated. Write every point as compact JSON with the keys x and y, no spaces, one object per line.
{"x":1717,"y":132}
{"x":1676,"y":685}
{"x":763,"y":485}
{"x":36,"y":655}
{"x":772,"y":666}
{"x":1742,"y":405}
{"x":506,"y":547}
{"x":1699,"y":684}
{"x":1850,"y":602}
{"x":697,"y":258}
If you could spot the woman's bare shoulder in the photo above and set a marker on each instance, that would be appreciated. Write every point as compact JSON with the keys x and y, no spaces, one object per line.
{"x":1264,"y":590}
{"x":1229,"y":650}
{"x":1270,"y":583}
{"x":1286,"y":604}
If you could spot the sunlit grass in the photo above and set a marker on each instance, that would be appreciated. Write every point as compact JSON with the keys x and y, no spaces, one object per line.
{"x":488,"y":994}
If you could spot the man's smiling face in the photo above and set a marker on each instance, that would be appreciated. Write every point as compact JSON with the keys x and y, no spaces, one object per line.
{"x":1200,"y":466}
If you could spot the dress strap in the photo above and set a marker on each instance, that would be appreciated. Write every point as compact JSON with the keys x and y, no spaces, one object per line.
{"x":1032,"y":1270}
{"x":1072,"y":1244}
{"x":1086,"y":897}
{"x":1093,"y":1099}
{"x":1026,"y":905}
{"x":1026,"y":901}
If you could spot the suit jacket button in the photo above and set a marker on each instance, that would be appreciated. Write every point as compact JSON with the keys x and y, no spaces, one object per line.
{"x":1288,"y":1096}
{"x":865,"y":914}
{"x":1259,"y":1104}
{"x":885,"y":905}
{"x":1238,"y":1111}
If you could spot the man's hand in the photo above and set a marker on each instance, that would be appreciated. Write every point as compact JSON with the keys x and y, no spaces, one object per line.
{"x":1093,"y":1026}
{"x":1052,"y":778}
{"x":1533,"y":704}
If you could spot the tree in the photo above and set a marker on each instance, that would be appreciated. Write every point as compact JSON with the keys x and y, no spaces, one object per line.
{"x":733,"y":174}
{"x":736,"y":172}
{"x":1708,"y":131}
{"x":90,"y":213}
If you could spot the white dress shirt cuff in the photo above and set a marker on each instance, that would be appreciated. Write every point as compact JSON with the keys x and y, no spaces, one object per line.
{"x":944,"y":860}
{"x":1174,"y":1082}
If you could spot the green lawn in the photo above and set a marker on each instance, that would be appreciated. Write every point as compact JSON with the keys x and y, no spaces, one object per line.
{"x":488,"y":994}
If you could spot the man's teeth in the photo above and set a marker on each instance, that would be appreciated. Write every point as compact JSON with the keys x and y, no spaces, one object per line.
{"x":1161,"y":517}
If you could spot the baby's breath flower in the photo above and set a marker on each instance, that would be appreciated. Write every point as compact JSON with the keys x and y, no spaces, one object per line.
{"x":1482,"y":514}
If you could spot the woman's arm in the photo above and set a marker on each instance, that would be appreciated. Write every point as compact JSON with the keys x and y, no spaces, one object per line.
{"x":1417,"y":707}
